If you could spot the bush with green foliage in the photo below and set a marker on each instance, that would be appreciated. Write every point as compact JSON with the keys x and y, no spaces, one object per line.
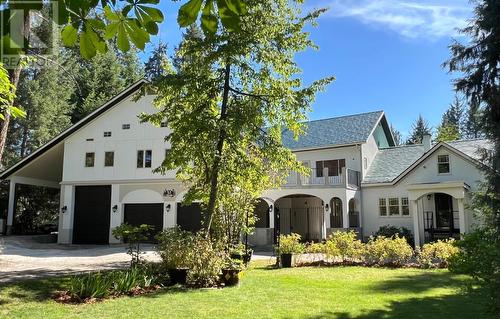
{"x":385,"y":251}
{"x":133,"y":236}
{"x":390,"y":231}
{"x":206,"y":263}
{"x":437,"y":254}
{"x":90,"y":285}
{"x":290,"y":244}
{"x":315,"y":248}
{"x":175,"y":247}
{"x":479,"y":256}
{"x":344,"y":246}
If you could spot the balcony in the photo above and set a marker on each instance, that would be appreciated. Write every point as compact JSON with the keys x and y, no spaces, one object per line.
{"x":347,"y":177}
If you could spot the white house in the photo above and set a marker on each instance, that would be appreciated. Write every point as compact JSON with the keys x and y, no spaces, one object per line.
{"x":103,"y":166}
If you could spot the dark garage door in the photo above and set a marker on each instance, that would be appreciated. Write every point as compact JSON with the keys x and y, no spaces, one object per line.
{"x":150,"y":214}
{"x":92,"y":214}
{"x":189,"y":217}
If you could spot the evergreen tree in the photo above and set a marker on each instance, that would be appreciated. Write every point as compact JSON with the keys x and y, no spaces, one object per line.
{"x":419,"y":128}
{"x":472,"y":127}
{"x":453,"y":115}
{"x":154,"y":67}
{"x":447,"y":132}
{"x":398,"y":138}
{"x":477,"y":61}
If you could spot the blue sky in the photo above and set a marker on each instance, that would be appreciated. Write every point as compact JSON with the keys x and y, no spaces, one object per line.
{"x":385,"y":55}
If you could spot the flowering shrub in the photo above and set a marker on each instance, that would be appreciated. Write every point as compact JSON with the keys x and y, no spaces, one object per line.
{"x":315,"y":248}
{"x":290,"y":244}
{"x":175,"y":247}
{"x":437,"y":253}
{"x":207,"y":262}
{"x":344,"y":245}
{"x":385,"y":251}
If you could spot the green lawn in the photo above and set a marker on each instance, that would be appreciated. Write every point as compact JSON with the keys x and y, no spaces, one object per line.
{"x":309,"y":293}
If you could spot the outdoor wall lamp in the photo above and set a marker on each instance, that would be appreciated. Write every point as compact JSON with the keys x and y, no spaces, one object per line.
{"x":64,"y":209}
{"x":326,"y":207}
{"x":167,"y":208}
{"x":115,"y":208}
{"x":270,"y":208}
{"x":429,"y":196}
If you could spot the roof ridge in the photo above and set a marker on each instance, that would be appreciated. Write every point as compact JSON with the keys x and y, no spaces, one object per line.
{"x":400,"y":146}
{"x":468,"y":140}
{"x":342,"y":116}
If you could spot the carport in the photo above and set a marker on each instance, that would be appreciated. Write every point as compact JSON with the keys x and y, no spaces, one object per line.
{"x":43,"y":167}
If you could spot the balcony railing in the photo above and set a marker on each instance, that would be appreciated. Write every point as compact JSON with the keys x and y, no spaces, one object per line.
{"x":353,"y":179}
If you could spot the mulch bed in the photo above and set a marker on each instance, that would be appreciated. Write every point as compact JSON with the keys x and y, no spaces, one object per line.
{"x":66,"y":298}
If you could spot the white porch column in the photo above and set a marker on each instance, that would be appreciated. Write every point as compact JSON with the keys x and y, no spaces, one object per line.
{"x":416,"y":228}
{"x":271,"y":216}
{"x":116,"y":218}
{"x":11,"y":206}
{"x":66,"y":212}
{"x":461,"y":216}
{"x":170,"y":216}
{"x":345,"y":213}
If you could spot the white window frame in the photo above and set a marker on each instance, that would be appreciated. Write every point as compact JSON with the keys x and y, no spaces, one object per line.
{"x":407,"y":205}
{"x":389,"y":206}
{"x":126,"y":126}
{"x":383,"y":206}
{"x":107,"y":134}
{"x":448,"y":162}
{"x":113,"y":164}
{"x":85,"y":159}
{"x":144,"y":158}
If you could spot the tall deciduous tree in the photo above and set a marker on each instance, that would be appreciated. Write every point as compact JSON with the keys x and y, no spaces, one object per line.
{"x":227,"y":102}
{"x":478,"y":63}
{"x":419,"y":128}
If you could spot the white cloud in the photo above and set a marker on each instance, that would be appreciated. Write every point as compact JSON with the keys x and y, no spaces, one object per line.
{"x":412,"y":19}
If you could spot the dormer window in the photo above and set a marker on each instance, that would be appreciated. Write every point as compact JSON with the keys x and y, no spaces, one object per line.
{"x":107,"y":134}
{"x":125,"y":126}
{"x":443,"y":164}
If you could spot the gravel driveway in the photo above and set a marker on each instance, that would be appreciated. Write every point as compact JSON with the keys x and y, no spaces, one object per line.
{"x":21,"y":258}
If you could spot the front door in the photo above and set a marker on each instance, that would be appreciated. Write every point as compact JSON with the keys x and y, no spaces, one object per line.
{"x":444,"y":211}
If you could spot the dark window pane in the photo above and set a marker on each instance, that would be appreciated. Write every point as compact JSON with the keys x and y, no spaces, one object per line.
{"x":147,"y":160}
{"x":443,"y":168}
{"x":140,"y":159}
{"x":89,"y":159}
{"x":109,"y":159}
{"x":341,"y":163}
{"x":319,"y":169}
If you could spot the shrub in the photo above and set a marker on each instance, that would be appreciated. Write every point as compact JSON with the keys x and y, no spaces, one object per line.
{"x":290,"y":244}
{"x":389,"y":231}
{"x":125,"y":281}
{"x":315,"y":248}
{"x":175,"y":247}
{"x":437,"y":254}
{"x":479,"y":257}
{"x":344,"y":245}
{"x":90,"y":285}
{"x":133,"y":235}
{"x":385,"y":251}
{"x":207,"y":262}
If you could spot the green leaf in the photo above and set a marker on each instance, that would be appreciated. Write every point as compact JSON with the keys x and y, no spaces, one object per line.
{"x":122,"y":39}
{"x":189,"y":12}
{"x":87,"y":49}
{"x":151,"y":27}
{"x":17,"y":112}
{"x":237,"y":6}
{"x":111,"y":30}
{"x":209,"y":20}
{"x":69,"y":35}
{"x":229,"y":19}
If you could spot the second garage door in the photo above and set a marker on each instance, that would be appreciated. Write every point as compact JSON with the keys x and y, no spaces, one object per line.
{"x":189,"y":217}
{"x":150,"y":214}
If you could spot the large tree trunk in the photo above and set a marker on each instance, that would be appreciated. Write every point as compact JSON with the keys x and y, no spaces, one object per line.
{"x":14,"y":79}
{"x":214,"y":178}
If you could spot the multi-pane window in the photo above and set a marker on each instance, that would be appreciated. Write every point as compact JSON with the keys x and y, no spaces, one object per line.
{"x":405,"y":207}
{"x":89,"y":159}
{"x":334,"y":167}
{"x":125,"y":126}
{"x":109,"y":159}
{"x":144,"y":158}
{"x":163,"y":124}
{"x":107,"y":134}
{"x":166,"y":152}
{"x":393,"y":206}
{"x":382,"y":206}
{"x":443,"y":164}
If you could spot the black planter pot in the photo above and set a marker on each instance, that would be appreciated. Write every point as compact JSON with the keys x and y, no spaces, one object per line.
{"x":178,"y":275}
{"x":286,"y":260}
{"x":247,"y":257}
{"x":230,"y":277}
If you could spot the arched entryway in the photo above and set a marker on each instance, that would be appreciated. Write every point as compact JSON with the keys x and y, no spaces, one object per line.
{"x":301,"y":214}
{"x":336,"y":216}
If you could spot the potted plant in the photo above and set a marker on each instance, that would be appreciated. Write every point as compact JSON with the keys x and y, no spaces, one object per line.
{"x":175,"y":248}
{"x":288,"y":246}
{"x":231,"y":272}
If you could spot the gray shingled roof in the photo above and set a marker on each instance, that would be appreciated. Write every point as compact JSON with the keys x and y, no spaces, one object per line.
{"x":389,"y":163}
{"x":342,"y":130}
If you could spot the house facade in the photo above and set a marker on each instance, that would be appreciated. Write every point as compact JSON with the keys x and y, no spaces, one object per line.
{"x":104,"y":167}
